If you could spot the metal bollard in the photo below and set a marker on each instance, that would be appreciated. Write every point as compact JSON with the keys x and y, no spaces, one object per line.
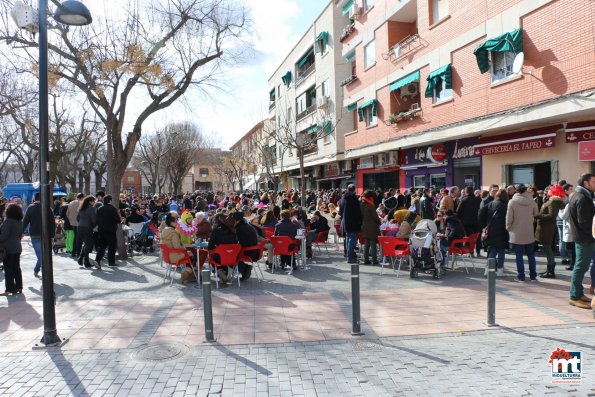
{"x":208,"y":305}
{"x":492,"y":293}
{"x":356,"y":328}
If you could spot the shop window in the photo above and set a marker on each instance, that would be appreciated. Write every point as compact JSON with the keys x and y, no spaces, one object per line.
{"x":438,"y":181}
{"x":370,"y":117}
{"x":501,"y":67}
{"x":369,"y":55}
{"x":419,"y":181}
{"x":438,"y":10}
{"x":441,"y":93}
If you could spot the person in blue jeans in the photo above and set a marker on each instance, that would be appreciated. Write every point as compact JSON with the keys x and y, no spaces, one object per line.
{"x":33,"y":222}
{"x":351,"y":221}
{"x":521,"y":213}
{"x":494,"y":217}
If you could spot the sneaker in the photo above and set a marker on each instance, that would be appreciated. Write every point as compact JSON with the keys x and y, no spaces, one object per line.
{"x":533,"y":280}
{"x":569,"y":268}
{"x":585,"y":298}
{"x":500,"y":272}
{"x":112,"y":264}
{"x":485,"y":272}
{"x":580,"y":304}
{"x":520,"y":280}
{"x":352,"y":260}
{"x":565,"y":261}
{"x":36,"y":274}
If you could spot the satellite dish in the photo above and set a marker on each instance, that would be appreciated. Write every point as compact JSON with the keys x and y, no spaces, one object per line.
{"x":517,"y":64}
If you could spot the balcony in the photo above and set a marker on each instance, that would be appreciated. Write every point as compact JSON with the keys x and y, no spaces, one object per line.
{"x":403,"y":48}
{"x":347,"y":31}
{"x":311,"y":149}
{"x":348,"y":80}
{"x":302,"y":75}
{"x":309,"y":110}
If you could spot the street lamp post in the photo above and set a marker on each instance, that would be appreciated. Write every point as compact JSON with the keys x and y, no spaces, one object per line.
{"x":70,"y":13}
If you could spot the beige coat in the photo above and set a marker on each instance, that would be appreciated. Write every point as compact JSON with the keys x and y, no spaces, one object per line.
{"x":170,"y":237}
{"x":72,"y":211}
{"x":404,"y":230}
{"x":520,"y":216}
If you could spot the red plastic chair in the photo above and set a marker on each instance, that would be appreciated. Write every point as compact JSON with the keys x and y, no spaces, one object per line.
{"x":322,"y":239}
{"x":339,"y":232}
{"x":229,"y":255}
{"x":281,"y":246}
{"x":269,"y":232}
{"x":256,"y":263}
{"x":394,"y":248}
{"x":180,"y":264}
{"x":463,"y":248}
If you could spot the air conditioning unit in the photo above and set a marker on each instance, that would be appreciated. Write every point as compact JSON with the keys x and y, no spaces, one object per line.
{"x":354,"y":11}
{"x":322,"y":102}
{"x":380,"y":160}
{"x":391,"y":158}
{"x":411,"y":89}
{"x":347,"y":165}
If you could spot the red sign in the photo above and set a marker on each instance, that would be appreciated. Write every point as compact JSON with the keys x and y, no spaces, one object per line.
{"x":528,"y":140}
{"x":586,"y":151}
{"x":578,"y":132}
{"x":437,"y":153}
{"x":331,"y":169}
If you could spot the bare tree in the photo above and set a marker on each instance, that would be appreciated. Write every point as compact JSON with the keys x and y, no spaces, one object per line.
{"x":154,"y":55}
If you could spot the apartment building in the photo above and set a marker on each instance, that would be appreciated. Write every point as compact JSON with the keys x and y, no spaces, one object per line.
{"x":305,"y":102}
{"x":446,"y":92}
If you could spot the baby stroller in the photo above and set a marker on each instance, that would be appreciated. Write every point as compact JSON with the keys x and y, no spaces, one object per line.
{"x":59,"y":241}
{"x":425,"y":250}
{"x":142,"y":241}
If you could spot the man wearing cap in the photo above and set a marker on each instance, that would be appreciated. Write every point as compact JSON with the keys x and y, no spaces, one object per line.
{"x":351,"y":221}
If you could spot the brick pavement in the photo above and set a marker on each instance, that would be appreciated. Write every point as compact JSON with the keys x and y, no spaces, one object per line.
{"x":108,"y":314}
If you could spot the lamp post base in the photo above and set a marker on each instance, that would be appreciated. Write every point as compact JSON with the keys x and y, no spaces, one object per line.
{"x":53,"y":341}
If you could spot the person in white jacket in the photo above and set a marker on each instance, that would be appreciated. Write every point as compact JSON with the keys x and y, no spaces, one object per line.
{"x":568,"y":234}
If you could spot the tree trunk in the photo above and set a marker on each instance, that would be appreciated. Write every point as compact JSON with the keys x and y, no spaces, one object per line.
{"x":98,"y":180}
{"x":88,"y":183}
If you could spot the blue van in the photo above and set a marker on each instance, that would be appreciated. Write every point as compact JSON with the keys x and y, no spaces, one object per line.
{"x":22,"y":193}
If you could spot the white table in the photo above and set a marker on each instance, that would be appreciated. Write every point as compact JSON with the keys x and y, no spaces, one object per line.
{"x":302,"y":238}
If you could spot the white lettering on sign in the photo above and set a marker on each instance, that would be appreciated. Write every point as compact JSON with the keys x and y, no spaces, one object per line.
{"x":464,"y":152}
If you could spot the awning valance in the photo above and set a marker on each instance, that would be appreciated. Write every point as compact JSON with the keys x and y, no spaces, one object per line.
{"x":404,"y":81}
{"x":438,"y":75}
{"x":286,"y":78}
{"x":349,"y":57}
{"x":347,"y":6}
{"x":328,"y":127}
{"x":303,"y":61}
{"x":323,"y":37}
{"x":352,"y":107}
{"x":510,"y":41}
{"x":371,"y":103}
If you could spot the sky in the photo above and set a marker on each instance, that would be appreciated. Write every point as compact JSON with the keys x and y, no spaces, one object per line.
{"x":278,"y":25}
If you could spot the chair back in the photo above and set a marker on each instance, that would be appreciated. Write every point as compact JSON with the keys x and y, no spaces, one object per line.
{"x":321,"y":238}
{"x":281,"y":245}
{"x":389,"y":245}
{"x":361,"y":239}
{"x":473,"y":241}
{"x":269,"y":232}
{"x":166,"y":251}
{"x":228,"y":254}
{"x":338,"y":230}
{"x":259,"y":247}
{"x":459,"y":246}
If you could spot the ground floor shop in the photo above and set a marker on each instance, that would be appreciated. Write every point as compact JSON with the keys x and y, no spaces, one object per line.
{"x":378,"y":172}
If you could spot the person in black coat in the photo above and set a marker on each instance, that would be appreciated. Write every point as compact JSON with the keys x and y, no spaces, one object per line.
{"x":286,"y":228}
{"x":454,"y":227}
{"x":351,"y":221}
{"x":495,"y":221}
{"x":11,"y":232}
{"x":108,"y":221}
{"x":426,"y":205}
{"x":467,"y":212}
{"x":223,"y":232}
{"x":247,"y":237}
{"x":32,"y":221}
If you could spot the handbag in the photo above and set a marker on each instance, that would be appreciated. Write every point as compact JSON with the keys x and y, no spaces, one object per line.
{"x":485,"y":231}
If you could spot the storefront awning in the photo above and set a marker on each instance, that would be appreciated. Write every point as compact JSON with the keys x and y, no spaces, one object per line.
{"x":508,"y":42}
{"x":581,"y":131}
{"x":441,"y":74}
{"x":347,"y":6}
{"x":303,"y":61}
{"x":404,"y":81}
{"x":373,"y":103}
{"x":335,"y":177}
{"x":540,"y":138}
{"x":286,"y":78}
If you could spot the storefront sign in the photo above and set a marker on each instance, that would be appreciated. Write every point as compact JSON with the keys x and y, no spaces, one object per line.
{"x":586,"y":151}
{"x":462,"y":152}
{"x":579,"y":132}
{"x":331,"y":169}
{"x":437,"y":153}
{"x":366,"y":162}
{"x":516,"y":142}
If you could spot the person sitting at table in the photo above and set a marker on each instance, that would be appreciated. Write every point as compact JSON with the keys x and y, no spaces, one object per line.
{"x":186,"y":227}
{"x":269,"y":219}
{"x":407,"y":225}
{"x":286,"y":227}
{"x":247,"y":237}
{"x":171,"y":238}
{"x":318,"y":224}
{"x":163,"y":224}
{"x":223,"y":232}
{"x":203,"y":227}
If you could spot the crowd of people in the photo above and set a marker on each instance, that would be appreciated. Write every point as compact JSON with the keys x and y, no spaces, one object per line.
{"x":517,"y":219}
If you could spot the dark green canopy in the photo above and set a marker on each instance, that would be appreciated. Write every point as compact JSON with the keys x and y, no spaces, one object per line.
{"x":510,"y":41}
{"x":443,"y":73}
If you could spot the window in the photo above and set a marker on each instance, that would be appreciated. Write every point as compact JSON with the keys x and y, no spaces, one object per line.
{"x":438,"y":10}
{"x":289,"y":114}
{"x":370,"y":117}
{"x":369,"y":54}
{"x":441,"y":93}
{"x":130,"y":179}
{"x":301,"y":103}
{"x":327,"y":138}
{"x":438,"y":181}
{"x":368,"y":4}
{"x":203,"y":172}
{"x":279,"y":91}
{"x":306,"y":103}
{"x":501,"y":65}
{"x":324,"y":88}
{"x":419,"y":181}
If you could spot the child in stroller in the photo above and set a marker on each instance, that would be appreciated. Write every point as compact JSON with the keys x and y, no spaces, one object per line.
{"x":425,"y":250}
{"x":144,"y":240}
{"x":59,"y":242}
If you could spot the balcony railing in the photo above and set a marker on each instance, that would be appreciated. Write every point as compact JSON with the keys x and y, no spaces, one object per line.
{"x":309,"y":110}
{"x":348,"y":80}
{"x":311,"y":149}
{"x":302,"y":75}
{"x":404,"y":47}
{"x":347,"y":30}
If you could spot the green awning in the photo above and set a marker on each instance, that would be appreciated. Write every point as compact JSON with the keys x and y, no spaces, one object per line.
{"x":349,"y":57}
{"x":347,"y":6}
{"x":328,"y":127}
{"x":303,"y":61}
{"x":323,"y":37}
{"x":352,"y":107}
{"x":434,"y":79}
{"x":510,"y":41}
{"x":404,"y":81}
{"x":286,"y":78}
{"x":373,"y":103}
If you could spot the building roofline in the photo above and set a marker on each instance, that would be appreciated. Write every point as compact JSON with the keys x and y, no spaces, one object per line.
{"x":257,"y":127}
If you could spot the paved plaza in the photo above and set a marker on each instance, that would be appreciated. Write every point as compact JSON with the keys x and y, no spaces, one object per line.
{"x":128,"y":333}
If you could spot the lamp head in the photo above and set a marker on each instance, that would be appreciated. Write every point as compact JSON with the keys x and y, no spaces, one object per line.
{"x":72,"y":12}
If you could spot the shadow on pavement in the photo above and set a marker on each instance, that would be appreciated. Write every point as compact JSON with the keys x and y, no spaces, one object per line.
{"x":558,"y":340}
{"x":68,"y":373}
{"x":242,"y":360}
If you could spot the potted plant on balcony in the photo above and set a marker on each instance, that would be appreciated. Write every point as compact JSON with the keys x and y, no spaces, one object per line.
{"x":347,"y":30}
